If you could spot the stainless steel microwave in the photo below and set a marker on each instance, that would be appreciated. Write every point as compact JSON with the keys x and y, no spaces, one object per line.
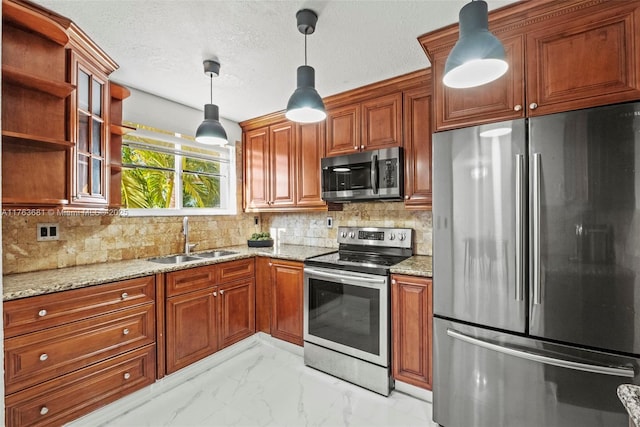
{"x":369,"y":175}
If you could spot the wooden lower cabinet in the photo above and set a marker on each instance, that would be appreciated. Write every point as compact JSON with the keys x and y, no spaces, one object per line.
{"x":70,"y":352}
{"x":412,"y":317}
{"x":207,"y":309}
{"x":287,"y":280}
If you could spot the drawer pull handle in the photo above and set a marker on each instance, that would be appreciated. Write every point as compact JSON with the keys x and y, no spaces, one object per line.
{"x":124,"y":295}
{"x":43,"y":357}
{"x":127,"y":375}
{"x":125,"y":331}
{"x":42,"y":313}
{"x":44,"y":410}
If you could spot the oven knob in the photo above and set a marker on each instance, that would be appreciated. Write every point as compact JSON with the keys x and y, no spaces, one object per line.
{"x":402,"y":236}
{"x":392,"y":236}
{"x":343,"y":234}
{"x":352,"y":235}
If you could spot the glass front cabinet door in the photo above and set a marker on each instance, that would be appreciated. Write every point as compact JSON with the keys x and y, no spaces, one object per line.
{"x":89,"y":112}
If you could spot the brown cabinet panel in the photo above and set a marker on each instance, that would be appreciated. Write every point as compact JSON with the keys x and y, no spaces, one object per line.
{"x":417,"y":148}
{"x":234,"y":270}
{"x":237,"y":311}
{"x":343,"y":130}
{"x":287,"y":300}
{"x":257,"y":175}
{"x":263,"y":294}
{"x":59,"y":401}
{"x":191,"y":328}
{"x":282,"y":150}
{"x":382,"y":122}
{"x":179,"y":282}
{"x":310,"y":143}
{"x":36,"y":313}
{"x":40,"y":356}
{"x":412,"y":318}
{"x":585,"y":62}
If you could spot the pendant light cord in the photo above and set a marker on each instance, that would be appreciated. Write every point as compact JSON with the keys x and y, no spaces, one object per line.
{"x":211,"y":88}
{"x":305,"y":48}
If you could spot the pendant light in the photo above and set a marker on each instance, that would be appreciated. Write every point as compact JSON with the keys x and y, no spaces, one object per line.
{"x":305,"y":105}
{"x":478,"y":57}
{"x":211,"y":132}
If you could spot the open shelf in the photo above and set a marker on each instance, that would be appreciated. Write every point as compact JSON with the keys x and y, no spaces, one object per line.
{"x":21,"y":138}
{"x":121,"y":129}
{"x":34,"y":21}
{"x":18,"y":77}
{"x":20,"y":202}
{"x":118,"y":92}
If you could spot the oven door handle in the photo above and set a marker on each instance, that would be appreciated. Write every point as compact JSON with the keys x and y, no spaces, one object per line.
{"x":343,"y":277}
{"x":374,"y":173}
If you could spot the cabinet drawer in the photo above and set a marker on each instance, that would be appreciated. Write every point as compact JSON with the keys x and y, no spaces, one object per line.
{"x":41,"y":356}
{"x":234,"y":270}
{"x":192,"y":279}
{"x":71,"y":396}
{"x":36,"y":313}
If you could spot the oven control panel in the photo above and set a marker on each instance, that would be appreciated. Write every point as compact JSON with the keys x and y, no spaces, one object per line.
{"x":376,"y":236}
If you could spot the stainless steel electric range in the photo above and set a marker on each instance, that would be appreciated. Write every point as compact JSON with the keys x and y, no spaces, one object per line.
{"x":347,"y":301}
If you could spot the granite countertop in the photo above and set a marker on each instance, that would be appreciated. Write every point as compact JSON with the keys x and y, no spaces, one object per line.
{"x":629,"y":394}
{"x":417,"y":265}
{"x":24,"y":285}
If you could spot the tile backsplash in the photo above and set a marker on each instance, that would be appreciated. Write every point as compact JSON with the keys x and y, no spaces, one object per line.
{"x":94,"y":239}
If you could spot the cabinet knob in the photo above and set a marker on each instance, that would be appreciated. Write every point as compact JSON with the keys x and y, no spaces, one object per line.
{"x":533,"y":106}
{"x":406,"y":197}
{"x":221,"y":292}
{"x":44,"y":410}
{"x":42,"y":313}
{"x":270,"y":264}
{"x":124,"y":295}
{"x":125,"y":331}
{"x":362,"y":147}
{"x":43,"y":357}
{"x":517,"y":107}
{"x":215,"y":294}
{"x":127,"y":375}
{"x":355,"y":147}
{"x":393,"y":281}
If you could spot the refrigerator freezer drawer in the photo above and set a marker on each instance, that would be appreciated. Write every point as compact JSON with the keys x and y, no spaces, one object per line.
{"x":488,"y":378}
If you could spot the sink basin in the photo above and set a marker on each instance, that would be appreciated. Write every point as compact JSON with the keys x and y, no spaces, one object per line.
{"x":174,"y":259}
{"x":215,"y":254}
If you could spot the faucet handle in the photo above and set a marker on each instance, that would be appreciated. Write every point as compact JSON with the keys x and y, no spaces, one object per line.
{"x":192,"y":245}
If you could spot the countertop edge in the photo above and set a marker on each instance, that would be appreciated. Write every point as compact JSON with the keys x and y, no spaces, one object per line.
{"x":629,"y":395}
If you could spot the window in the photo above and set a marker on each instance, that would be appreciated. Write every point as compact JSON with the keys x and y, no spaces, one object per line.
{"x":166,"y":173}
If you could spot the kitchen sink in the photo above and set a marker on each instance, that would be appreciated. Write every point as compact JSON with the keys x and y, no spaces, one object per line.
{"x":215,"y":254}
{"x":174,"y":259}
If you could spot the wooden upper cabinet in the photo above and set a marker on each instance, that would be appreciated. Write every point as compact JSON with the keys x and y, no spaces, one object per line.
{"x":382,"y":122}
{"x":282,"y":153}
{"x":256,"y":168}
{"x":309,"y":152}
{"x":562,"y":56}
{"x":417,"y":148}
{"x":368,"y":125}
{"x":343,"y":130}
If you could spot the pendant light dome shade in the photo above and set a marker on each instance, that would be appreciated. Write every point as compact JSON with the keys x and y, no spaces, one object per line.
{"x":305,"y":105}
{"x":211,"y":132}
{"x":478,"y":57}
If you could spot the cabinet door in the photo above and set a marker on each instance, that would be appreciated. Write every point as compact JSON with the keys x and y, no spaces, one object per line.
{"x":287,"y":300}
{"x":343,"y":130}
{"x":263,"y":294}
{"x":282,"y":153}
{"x":256,"y":169}
{"x":585,"y":62}
{"x":412,"y":314}
{"x":382,"y":122}
{"x":191,"y":331}
{"x":236,"y":303}
{"x":502,"y":99}
{"x":89,"y":132}
{"x":309,"y":153}
{"x":417,"y":148}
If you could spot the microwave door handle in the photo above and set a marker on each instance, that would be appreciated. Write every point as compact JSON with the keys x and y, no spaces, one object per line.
{"x":374,"y":173}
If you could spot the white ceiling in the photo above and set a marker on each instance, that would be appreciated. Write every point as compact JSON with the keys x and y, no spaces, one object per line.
{"x":160,"y":45}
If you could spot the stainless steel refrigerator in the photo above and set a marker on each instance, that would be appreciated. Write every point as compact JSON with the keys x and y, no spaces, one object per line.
{"x":536,"y":262}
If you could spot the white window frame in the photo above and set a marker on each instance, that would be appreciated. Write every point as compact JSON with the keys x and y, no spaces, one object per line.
{"x":228,"y":191}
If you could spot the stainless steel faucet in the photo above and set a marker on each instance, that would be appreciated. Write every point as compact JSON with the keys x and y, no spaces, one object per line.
{"x":185,"y":231}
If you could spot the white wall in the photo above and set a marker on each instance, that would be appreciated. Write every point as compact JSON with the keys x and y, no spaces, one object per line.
{"x":161,"y":113}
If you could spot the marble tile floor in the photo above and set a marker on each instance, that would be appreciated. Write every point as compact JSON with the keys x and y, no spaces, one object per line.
{"x":261,"y":385}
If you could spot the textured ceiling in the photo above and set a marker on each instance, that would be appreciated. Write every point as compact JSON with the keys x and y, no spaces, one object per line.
{"x":160,"y":45}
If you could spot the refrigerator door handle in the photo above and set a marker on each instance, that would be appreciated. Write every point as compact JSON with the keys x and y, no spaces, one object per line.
{"x":537,"y":297}
{"x":519,"y":226}
{"x":617,"y":371}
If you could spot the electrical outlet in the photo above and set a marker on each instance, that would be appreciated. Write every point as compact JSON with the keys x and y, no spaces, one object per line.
{"x":256,"y":220}
{"x":329,"y":222}
{"x":48,"y":231}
